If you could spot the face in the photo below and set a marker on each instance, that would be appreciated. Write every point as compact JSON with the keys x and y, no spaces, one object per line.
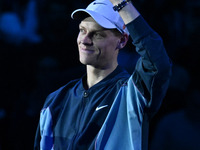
{"x":97,"y":46}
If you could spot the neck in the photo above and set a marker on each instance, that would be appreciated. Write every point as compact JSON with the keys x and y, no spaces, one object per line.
{"x":95,"y":75}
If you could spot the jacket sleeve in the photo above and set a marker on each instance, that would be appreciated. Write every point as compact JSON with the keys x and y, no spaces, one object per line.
{"x":153,"y":69}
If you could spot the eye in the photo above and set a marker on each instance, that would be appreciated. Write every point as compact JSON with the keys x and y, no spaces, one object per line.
{"x":98,"y":35}
{"x":82,"y":30}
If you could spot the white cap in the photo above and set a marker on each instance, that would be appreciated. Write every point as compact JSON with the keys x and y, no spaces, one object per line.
{"x":103,"y":13}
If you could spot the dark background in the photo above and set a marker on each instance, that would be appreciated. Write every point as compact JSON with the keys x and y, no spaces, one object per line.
{"x":38,"y":54}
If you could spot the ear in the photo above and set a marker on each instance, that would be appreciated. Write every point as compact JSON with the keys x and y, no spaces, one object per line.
{"x":123,"y":40}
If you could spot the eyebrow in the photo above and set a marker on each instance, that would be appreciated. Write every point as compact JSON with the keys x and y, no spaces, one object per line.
{"x":97,"y":30}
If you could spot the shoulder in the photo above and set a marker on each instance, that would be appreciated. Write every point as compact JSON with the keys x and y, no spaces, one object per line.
{"x":60,"y":93}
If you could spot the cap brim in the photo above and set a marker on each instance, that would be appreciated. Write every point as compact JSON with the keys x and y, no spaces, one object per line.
{"x":81,"y":14}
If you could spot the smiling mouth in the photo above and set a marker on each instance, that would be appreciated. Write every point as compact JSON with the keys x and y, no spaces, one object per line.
{"x":86,"y":50}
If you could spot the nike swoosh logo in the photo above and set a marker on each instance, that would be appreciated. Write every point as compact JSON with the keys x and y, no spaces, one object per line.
{"x":98,"y":3}
{"x":101,"y":107}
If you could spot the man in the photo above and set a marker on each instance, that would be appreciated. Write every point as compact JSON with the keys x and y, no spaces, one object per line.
{"x":107,"y":108}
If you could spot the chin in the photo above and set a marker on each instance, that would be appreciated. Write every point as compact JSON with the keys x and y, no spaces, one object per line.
{"x":84,"y":61}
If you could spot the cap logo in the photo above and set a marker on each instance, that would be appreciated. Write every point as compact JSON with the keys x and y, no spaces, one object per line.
{"x":98,"y":3}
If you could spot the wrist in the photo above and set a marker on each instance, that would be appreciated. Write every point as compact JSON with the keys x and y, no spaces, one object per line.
{"x":129,"y":13}
{"x":120,"y":5}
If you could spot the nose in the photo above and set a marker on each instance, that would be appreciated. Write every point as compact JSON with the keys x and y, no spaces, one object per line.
{"x":86,"y":39}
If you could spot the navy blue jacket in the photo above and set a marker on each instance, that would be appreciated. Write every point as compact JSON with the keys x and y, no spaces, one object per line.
{"x":114,"y":113}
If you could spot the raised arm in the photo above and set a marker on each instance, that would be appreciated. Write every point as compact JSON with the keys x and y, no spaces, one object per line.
{"x":153,"y":69}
